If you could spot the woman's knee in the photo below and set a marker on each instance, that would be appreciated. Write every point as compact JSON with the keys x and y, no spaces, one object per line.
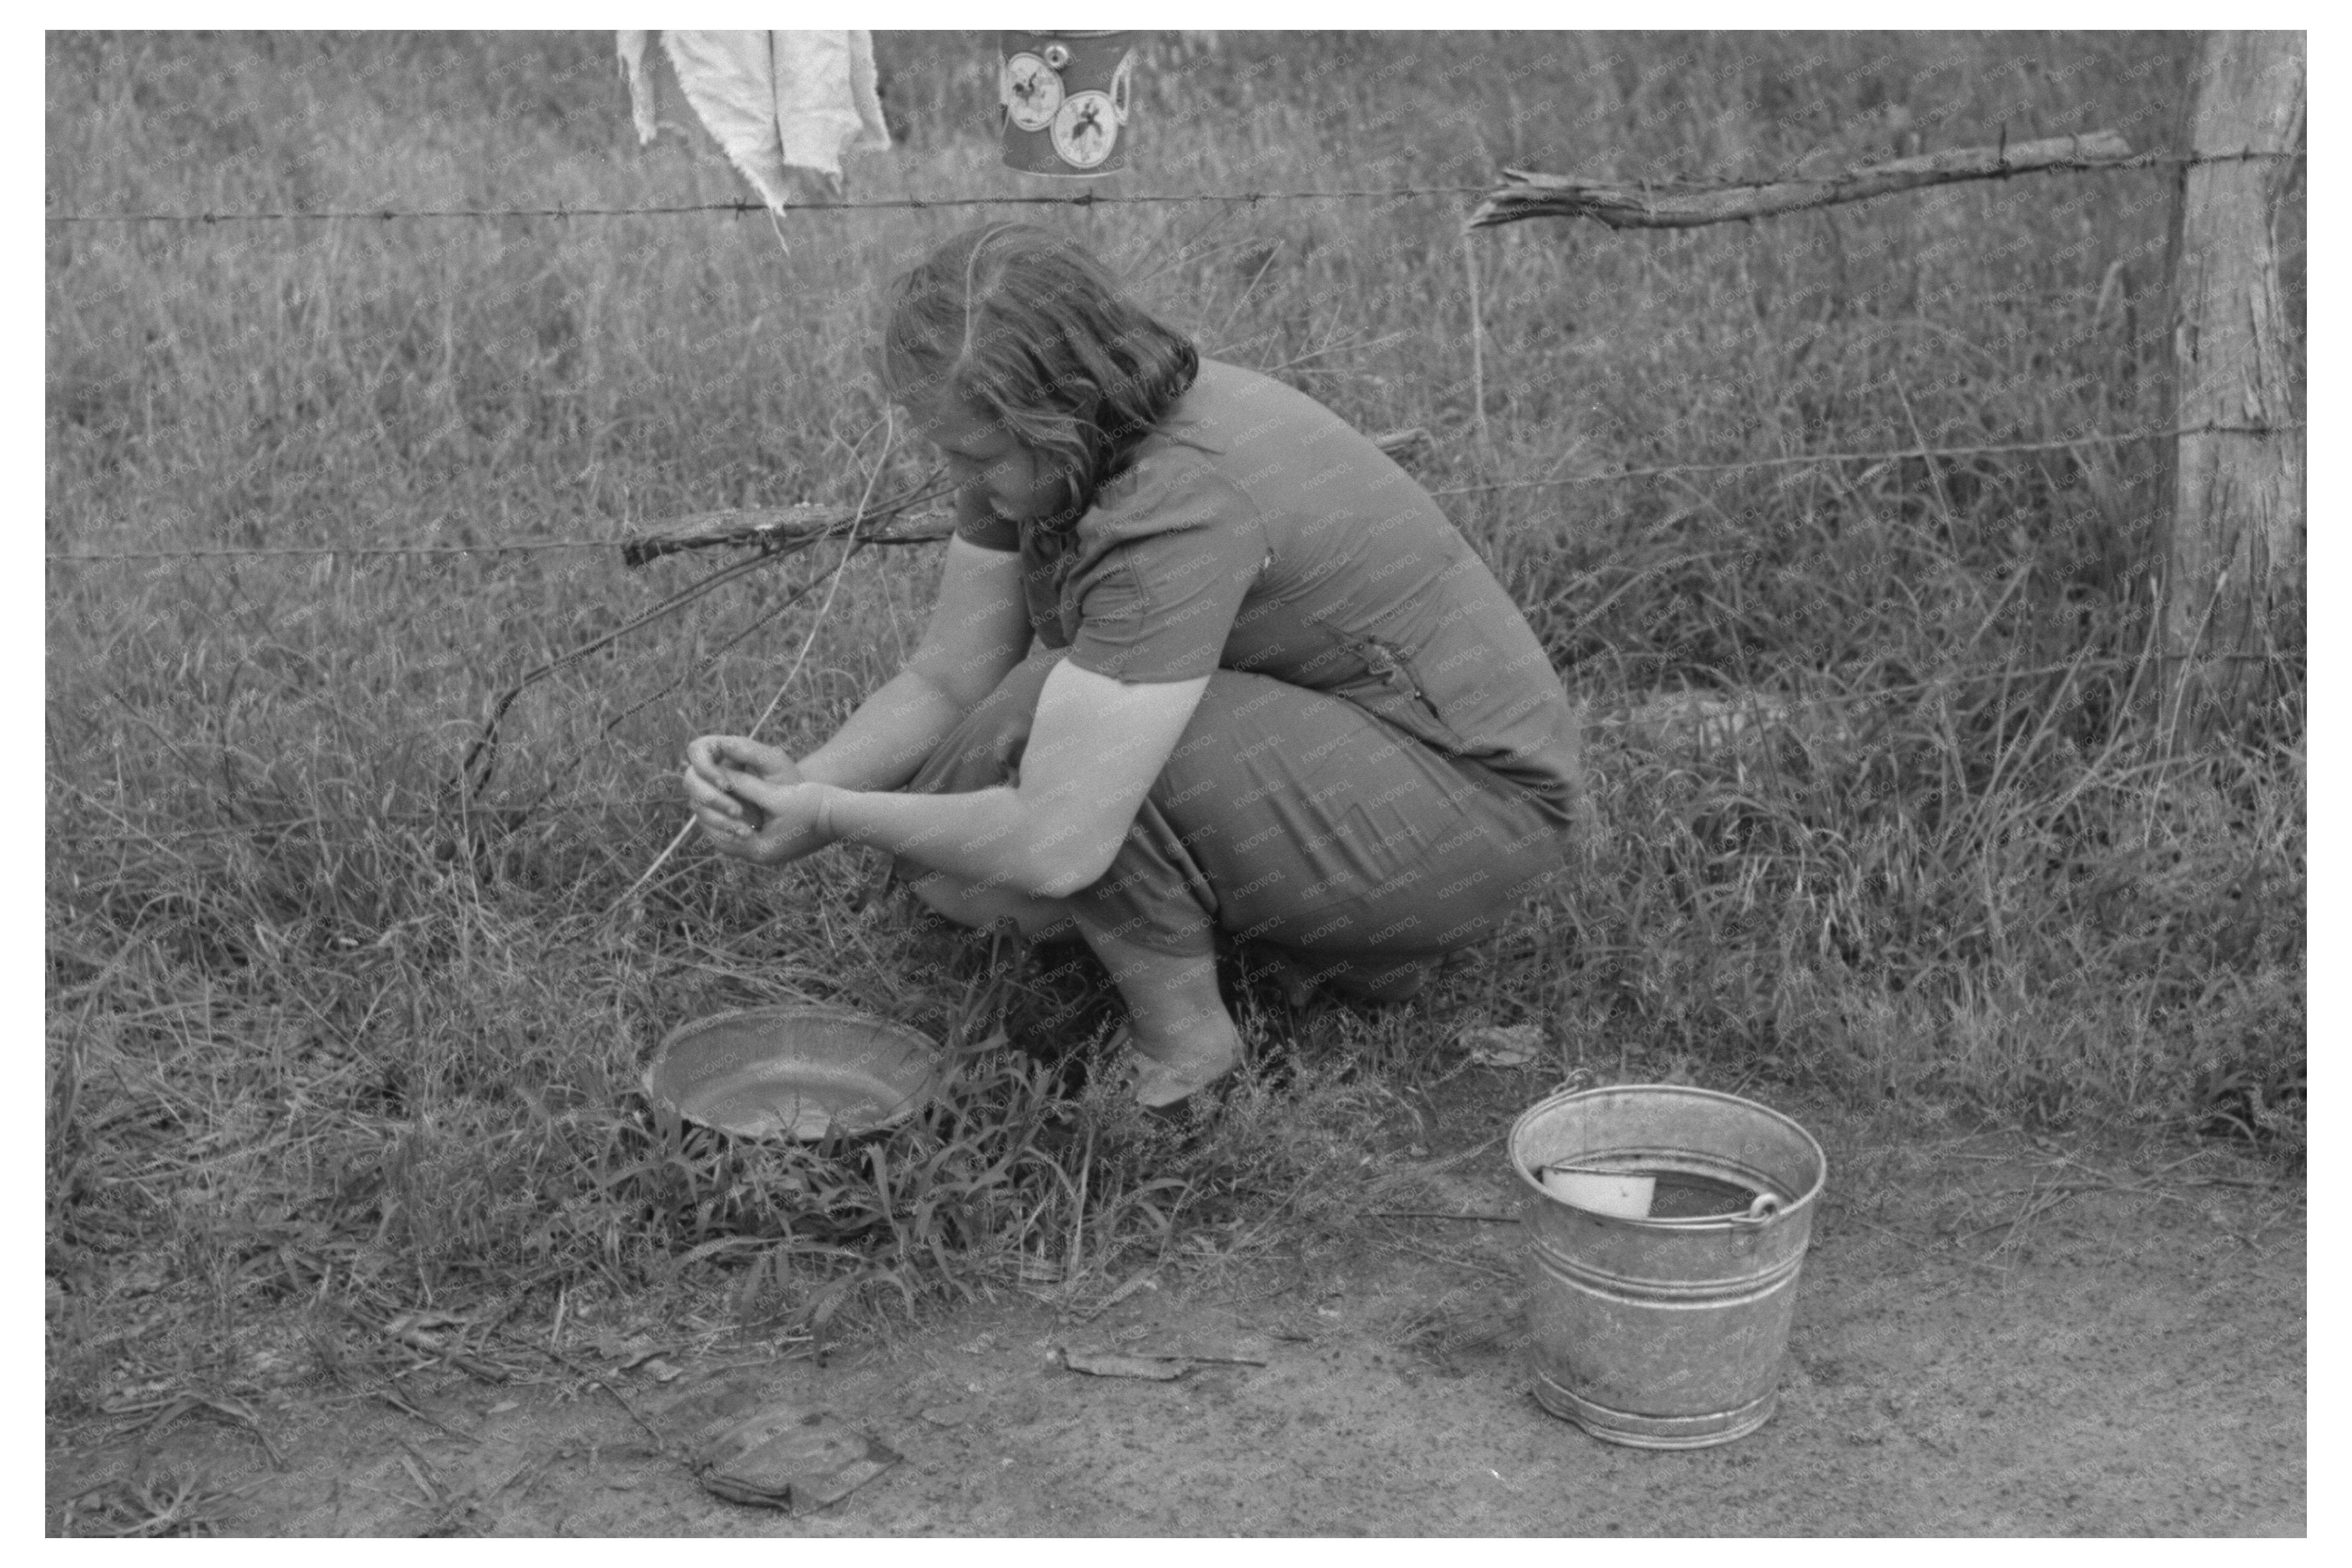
{"x":985,"y":747}
{"x":979,"y":905}
{"x":1228,"y":729}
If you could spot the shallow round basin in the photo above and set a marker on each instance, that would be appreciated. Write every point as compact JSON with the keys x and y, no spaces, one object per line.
{"x":796,"y":1072}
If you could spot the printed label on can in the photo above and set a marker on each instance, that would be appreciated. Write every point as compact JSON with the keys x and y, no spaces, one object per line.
{"x":1033,"y":93}
{"x":1122,"y":85}
{"x":1085,"y":127}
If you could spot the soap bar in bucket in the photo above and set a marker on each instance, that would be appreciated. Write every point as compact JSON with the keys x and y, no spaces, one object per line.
{"x":1602,"y":1192}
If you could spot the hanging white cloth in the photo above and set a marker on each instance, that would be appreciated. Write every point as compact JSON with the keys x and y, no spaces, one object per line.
{"x":772,"y":99}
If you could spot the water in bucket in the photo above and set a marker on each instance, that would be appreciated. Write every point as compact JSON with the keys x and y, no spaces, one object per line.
{"x":1655,"y":1187}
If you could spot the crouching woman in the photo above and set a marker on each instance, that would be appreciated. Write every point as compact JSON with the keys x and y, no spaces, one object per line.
{"x":1204,"y":665}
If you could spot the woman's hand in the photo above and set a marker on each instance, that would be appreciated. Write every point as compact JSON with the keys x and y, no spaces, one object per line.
{"x":751,"y":800}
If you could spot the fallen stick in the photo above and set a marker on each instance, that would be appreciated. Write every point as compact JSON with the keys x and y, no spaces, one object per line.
{"x":1152,"y":1366}
{"x":1526,"y":194}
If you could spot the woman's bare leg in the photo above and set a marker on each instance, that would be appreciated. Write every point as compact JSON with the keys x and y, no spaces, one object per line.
{"x":979,"y":906}
{"x":1176,"y":1017}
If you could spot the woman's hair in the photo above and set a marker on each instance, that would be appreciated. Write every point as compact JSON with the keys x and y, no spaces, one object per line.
{"x":1027,"y":329}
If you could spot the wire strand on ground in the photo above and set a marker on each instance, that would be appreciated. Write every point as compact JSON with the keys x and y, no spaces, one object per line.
{"x":849,"y":548}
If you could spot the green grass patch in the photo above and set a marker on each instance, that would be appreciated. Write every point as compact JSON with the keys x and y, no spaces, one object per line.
{"x":1881,"y":802}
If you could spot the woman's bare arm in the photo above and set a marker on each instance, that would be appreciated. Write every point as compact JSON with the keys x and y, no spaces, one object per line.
{"x":1093,"y":753}
{"x":979,"y":630}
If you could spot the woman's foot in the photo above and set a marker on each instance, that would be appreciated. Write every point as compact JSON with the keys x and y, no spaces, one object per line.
{"x":1163,"y":1084}
{"x":1183,"y":1039}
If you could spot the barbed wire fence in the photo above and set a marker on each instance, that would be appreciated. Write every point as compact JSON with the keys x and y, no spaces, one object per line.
{"x":1663,"y":190}
{"x":1661,"y":185}
{"x":1652,"y":203}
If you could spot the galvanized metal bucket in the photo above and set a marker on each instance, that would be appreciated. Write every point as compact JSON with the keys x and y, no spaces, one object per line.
{"x":1664,"y":1257}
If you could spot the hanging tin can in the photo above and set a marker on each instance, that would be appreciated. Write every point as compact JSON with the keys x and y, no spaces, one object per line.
{"x":1068,"y":99}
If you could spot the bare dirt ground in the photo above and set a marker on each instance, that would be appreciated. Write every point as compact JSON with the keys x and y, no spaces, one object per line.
{"x":1995,"y":1335}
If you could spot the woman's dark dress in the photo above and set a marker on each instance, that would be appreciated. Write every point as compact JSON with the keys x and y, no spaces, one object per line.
{"x":1384,"y":757}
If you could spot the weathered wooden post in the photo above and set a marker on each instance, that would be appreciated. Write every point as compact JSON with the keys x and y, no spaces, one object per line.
{"x":2233,"y":550}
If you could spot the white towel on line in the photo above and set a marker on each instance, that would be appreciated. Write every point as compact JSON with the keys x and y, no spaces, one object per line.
{"x":772,"y":99}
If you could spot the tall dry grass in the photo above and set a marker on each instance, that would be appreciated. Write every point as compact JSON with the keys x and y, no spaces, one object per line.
{"x":321,"y":1028}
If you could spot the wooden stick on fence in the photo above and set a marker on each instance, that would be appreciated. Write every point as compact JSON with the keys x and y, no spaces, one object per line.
{"x":2233,"y":551}
{"x":773,"y":527}
{"x":1525,"y":194}
{"x":777,"y":528}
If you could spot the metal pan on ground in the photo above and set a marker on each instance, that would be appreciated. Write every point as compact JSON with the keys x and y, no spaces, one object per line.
{"x":795,"y":1072}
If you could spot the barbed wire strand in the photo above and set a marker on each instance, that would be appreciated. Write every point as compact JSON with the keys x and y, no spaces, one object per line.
{"x":2091,"y":438}
{"x":741,"y":207}
{"x":744,"y":208}
{"x":2094,"y":438}
{"x":301,"y":552}
{"x":611,"y":805}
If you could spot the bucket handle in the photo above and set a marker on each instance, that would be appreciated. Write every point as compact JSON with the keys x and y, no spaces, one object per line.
{"x":1762,"y":1212}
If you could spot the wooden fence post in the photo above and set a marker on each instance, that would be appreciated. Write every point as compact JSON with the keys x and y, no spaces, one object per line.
{"x":2232,"y":553}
